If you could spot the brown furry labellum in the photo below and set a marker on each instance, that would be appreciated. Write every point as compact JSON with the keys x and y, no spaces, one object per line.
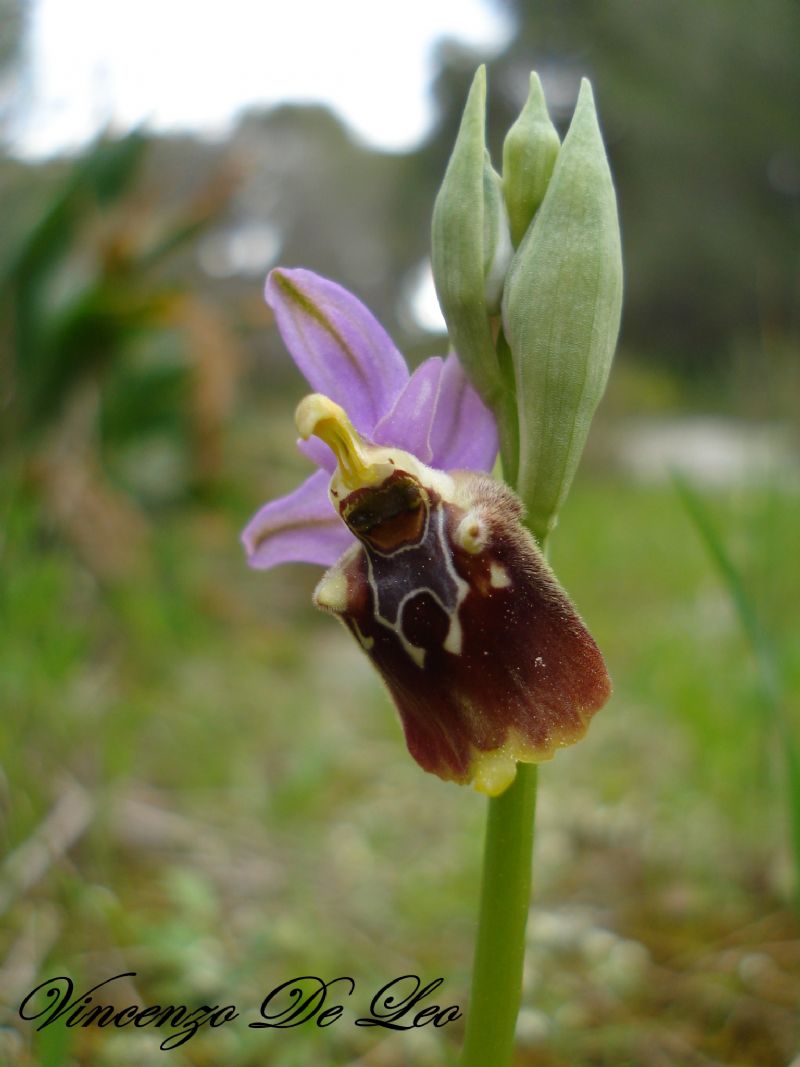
{"x":485,"y":657}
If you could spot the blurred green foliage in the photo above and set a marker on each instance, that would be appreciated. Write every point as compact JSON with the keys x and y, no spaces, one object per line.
{"x":780,"y":721}
{"x":80,"y":290}
{"x":56,"y":343}
{"x":697,"y":107}
{"x":254,"y":808}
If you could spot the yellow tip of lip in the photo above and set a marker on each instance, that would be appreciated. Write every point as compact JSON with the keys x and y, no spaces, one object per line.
{"x":319,"y":416}
{"x":493,"y":772}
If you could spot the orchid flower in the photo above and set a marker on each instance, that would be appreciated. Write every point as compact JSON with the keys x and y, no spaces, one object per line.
{"x":431,"y":569}
{"x":345,"y":354}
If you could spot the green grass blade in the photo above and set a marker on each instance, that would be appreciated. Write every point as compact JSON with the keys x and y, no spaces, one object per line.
{"x":766,"y":658}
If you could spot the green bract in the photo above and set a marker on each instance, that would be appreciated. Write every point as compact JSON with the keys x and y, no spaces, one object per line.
{"x":561,"y":312}
{"x":462,"y":246}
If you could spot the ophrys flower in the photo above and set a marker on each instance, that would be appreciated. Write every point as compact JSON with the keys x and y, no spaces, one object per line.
{"x":437,"y":579}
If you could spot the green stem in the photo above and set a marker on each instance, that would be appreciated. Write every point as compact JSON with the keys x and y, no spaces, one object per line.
{"x":500,"y":947}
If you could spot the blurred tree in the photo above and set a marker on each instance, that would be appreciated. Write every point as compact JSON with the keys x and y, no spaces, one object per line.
{"x":332,"y":201}
{"x":101,"y":349}
{"x":698,"y":106}
{"x":12,"y":19}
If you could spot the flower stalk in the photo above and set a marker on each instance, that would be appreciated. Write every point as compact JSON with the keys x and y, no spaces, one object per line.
{"x":436,"y":569}
{"x":551,"y":354}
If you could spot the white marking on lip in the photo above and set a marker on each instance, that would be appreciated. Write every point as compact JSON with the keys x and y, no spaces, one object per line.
{"x":499,"y":577}
{"x":471,"y":533}
{"x":440,"y":550}
{"x":365,"y":642}
{"x":455,"y":635}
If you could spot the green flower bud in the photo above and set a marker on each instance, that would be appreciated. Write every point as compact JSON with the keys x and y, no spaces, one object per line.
{"x":464,"y":234}
{"x":529,"y":155}
{"x":561,"y":312}
{"x":497,"y":247}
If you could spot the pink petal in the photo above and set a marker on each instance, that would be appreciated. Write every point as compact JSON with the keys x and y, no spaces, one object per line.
{"x":318,"y":452}
{"x":463,"y":431}
{"x":301,"y":527}
{"x":409,"y":424}
{"x":338,"y":344}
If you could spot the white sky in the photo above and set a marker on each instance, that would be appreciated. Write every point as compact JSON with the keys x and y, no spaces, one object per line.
{"x":183,"y":64}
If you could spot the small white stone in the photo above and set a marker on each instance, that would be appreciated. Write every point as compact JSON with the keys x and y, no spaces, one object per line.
{"x":533,"y":1027}
{"x":597,"y":943}
{"x":623,"y":968}
{"x":754,"y":967}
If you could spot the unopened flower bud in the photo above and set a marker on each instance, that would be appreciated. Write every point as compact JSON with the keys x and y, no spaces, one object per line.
{"x":529,"y":155}
{"x":561,"y":312}
{"x":464,"y":236}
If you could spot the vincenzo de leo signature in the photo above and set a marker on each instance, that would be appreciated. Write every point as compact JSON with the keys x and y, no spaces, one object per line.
{"x":304,"y":1000}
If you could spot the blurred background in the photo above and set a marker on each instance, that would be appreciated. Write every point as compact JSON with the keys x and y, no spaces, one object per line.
{"x":201,"y":779}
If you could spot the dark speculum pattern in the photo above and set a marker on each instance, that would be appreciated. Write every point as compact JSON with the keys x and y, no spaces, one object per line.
{"x":390,"y":516}
{"x":481,"y":649}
